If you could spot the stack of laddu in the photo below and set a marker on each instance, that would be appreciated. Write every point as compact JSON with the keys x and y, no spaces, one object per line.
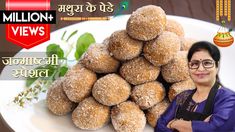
{"x":125,"y":79}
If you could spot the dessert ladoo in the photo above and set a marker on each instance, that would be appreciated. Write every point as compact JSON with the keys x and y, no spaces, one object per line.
{"x":128,"y":117}
{"x":161,"y":50}
{"x":98,"y":59}
{"x":111,"y":90}
{"x":78,"y":83}
{"x":139,"y":70}
{"x":177,"y":69}
{"x":129,"y":77}
{"x":146,"y":23}
{"x":148,"y":94}
{"x":123,"y":47}
{"x":175,"y":27}
{"x":57,"y":101}
{"x":90,"y":115}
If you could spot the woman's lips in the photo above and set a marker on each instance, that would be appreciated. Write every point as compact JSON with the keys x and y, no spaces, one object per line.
{"x":201,"y":75}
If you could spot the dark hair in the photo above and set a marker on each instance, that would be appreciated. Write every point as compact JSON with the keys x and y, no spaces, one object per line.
{"x":204,"y":45}
{"x":211,"y":48}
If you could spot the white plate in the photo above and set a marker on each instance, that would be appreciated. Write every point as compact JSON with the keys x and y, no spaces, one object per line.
{"x":36,"y":117}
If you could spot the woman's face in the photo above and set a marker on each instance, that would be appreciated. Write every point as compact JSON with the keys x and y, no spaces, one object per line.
{"x":202,"y":68}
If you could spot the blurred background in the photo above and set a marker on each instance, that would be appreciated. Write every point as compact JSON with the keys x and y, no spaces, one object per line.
{"x":197,"y":9}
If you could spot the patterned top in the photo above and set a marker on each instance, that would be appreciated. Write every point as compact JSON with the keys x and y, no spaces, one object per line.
{"x":222,"y":119}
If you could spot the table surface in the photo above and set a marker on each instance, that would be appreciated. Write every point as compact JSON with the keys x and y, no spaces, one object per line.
{"x":198,"y":9}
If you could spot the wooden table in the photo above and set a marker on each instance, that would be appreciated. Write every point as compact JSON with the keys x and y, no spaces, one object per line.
{"x":198,"y":9}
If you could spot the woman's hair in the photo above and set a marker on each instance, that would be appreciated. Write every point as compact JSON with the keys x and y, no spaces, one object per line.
{"x":204,"y":45}
{"x":212,"y":50}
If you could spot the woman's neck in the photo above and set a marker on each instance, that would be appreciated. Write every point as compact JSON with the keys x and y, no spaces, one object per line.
{"x":204,"y":89}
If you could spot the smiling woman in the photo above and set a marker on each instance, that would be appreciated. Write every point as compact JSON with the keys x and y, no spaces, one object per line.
{"x":208,"y":55}
{"x":210,"y":106}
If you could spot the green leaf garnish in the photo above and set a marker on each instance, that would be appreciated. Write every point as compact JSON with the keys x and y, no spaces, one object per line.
{"x":54,"y":49}
{"x":73,"y":33}
{"x":30,"y":81}
{"x":37,"y":85}
{"x":83,"y":42}
{"x":63,"y":70}
{"x":62,"y":38}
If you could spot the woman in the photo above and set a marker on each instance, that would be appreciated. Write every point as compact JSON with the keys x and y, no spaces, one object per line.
{"x":208,"y":108}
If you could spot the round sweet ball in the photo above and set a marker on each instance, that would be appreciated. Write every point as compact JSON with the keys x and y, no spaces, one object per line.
{"x":186,"y":43}
{"x":148,"y":94}
{"x":161,"y":50}
{"x":122,"y":47}
{"x":179,"y":87}
{"x":127,"y":117}
{"x":98,"y":59}
{"x":111,"y":90}
{"x":175,"y":27}
{"x":139,"y":70}
{"x":154,"y":113}
{"x":177,"y":69}
{"x":90,"y":115}
{"x":57,"y":101}
{"x":78,"y":83}
{"x":106,"y":41}
{"x":146,"y":23}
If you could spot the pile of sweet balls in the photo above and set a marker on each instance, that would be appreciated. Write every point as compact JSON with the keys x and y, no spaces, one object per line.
{"x":128,"y":79}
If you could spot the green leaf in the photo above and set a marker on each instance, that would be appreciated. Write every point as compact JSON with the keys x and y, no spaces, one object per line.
{"x":51,"y":69}
{"x":54,"y":49}
{"x":73,"y":33}
{"x":30,"y":81}
{"x":63,"y":70}
{"x":83,"y":42}
{"x":62,"y":38}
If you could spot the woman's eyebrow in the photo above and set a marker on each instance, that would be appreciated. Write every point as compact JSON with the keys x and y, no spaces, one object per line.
{"x":195,"y":60}
{"x":201,"y":59}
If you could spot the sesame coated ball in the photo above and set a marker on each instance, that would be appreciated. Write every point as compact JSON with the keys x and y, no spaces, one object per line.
{"x":179,"y":87}
{"x":123,"y":47}
{"x":127,"y":117}
{"x":175,"y":27}
{"x":139,"y":70}
{"x":106,"y":41}
{"x":186,"y":43}
{"x":162,"y":50}
{"x":148,"y":94}
{"x":111,"y":90}
{"x":154,"y":113}
{"x":98,"y":59}
{"x":90,"y":115}
{"x":78,"y":83}
{"x":177,"y":69}
{"x":129,"y":78}
{"x":146,"y":23}
{"x":57,"y":101}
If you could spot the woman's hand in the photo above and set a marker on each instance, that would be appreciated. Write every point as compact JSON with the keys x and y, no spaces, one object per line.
{"x":180,"y":125}
{"x":173,"y":124}
{"x":169,"y":125}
